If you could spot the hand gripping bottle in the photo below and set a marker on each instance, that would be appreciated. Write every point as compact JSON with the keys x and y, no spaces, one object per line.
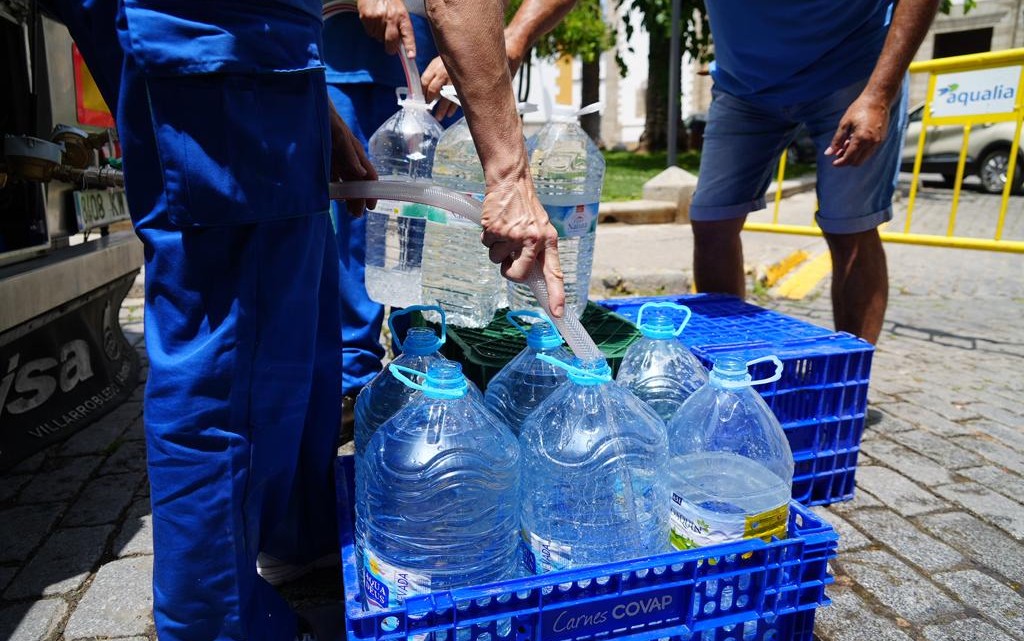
{"x":457,"y":272}
{"x":438,"y":501}
{"x":568,"y":172}
{"x":657,"y":368}
{"x":731,"y":472}
{"x":401,"y":149}
{"x":593,"y":488}
{"x":383,"y":396}
{"x":526,"y":381}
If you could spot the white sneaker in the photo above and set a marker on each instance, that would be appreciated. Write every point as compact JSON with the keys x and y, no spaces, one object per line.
{"x":277,"y":572}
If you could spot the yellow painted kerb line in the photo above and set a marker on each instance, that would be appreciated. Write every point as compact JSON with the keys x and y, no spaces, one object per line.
{"x":804,"y":280}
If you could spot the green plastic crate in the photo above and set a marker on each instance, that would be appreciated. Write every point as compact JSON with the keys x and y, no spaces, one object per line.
{"x":484,"y":351}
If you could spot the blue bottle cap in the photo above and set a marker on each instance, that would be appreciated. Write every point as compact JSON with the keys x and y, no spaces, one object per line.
{"x":443,"y":380}
{"x":591,"y":372}
{"x":421,"y":341}
{"x":659,"y":323}
{"x":542,"y":336}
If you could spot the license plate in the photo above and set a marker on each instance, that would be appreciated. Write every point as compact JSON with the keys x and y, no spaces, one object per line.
{"x":100,"y":207}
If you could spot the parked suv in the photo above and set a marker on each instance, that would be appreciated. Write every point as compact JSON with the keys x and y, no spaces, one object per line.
{"x":988,"y":152}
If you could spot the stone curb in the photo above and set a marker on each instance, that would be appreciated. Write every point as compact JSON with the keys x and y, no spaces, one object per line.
{"x":653,"y":212}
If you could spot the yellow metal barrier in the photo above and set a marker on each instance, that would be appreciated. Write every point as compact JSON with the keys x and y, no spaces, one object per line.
{"x":1000,"y":106}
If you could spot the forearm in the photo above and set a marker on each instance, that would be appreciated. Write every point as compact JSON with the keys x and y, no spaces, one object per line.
{"x":533,"y":19}
{"x":469,"y":34}
{"x":910,"y":23}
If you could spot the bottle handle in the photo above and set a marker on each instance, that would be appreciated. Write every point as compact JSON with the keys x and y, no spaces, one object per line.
{"x":510,"y":316}
{"x":400,"y":371}
{"x":676,"y":306}
{"x":417,"y":308}
{"x":593,"y":107}
{"x":774,"y":377}
{"x":602,"y":377}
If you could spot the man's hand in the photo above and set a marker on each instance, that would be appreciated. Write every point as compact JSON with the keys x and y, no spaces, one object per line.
{"x":348,"y":160}
{"x":434,"y":77}
{"x":388,"y":21}
{"x":518,"y":234}
{"x":861,"y":130}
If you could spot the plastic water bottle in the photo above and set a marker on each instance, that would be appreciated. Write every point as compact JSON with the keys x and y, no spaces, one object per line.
{"x":526,"y":380}
{"x":401,"y":149}
{"x":385,"y":395}
{"x":457,"y":273}
{"x":731,"y":473}
{"x":657,"y":368}
{"x":568,"y":171}
{"x":593,"y":484}
{"x":438,"y":500}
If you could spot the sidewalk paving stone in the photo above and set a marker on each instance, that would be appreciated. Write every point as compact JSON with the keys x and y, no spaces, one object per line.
{"x":11,"y":486}
{"x":25,"y":527}
{"x":850,"y":538}
{"x":955,"y":407}
{"x":984,"y":544}
{"x":926,"y":418}
{"x":29,"y":465}
{"x":136,"y":534}
{"x":117,"y":603}
{"x":850,"y":619}
{"x":897,"y":491}
{"x":1010,"y":436}
{"x":60,"y":480}
{"x":996,"y":478}
{"x":992,"y":450}
{"x":103,"y":500}
{"x":898,"y":587}
{"x":887,"y":423}
{"x":1000,"y":414}
{"x":993,"y":599}
{"x":62,"y":564}
{"x":35,"y":622}
{"x":937,"y":448}
{"x":6,"y":574}
{"x":861,"y":499}
{"x":909,"y":463}
{"x":904,"y":539}
{"x":128,"y":456}
{"x":965,"y":630}
{"x":1004,"y":513}
{"x":95,"y":439}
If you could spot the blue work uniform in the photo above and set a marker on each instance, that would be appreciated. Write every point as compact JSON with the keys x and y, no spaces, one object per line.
{"x":222,"y":112}
{"x":361,"y":82}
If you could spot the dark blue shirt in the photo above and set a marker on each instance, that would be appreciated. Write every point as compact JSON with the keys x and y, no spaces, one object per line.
{"x":784,"y":52}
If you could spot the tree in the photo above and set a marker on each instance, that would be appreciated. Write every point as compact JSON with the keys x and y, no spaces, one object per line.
{"x":695,"y":40}
{"x":583,"y":33}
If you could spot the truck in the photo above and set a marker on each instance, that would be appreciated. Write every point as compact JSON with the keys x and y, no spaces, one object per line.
{"x":68,"y":256}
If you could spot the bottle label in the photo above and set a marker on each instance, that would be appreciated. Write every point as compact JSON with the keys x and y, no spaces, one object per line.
{"x":387,"y":586}
{"x":573,"y":220}
{"x":411,"y":210}
{"x":693,"y":528}
{"x":541,"y":555}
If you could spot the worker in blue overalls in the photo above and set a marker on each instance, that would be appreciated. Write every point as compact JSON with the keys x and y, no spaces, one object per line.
{"x":229,"y":143}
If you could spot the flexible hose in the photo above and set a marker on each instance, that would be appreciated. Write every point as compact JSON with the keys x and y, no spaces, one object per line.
{"x":427,"y":193}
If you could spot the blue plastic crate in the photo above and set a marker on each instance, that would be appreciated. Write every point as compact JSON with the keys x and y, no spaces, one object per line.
{"x":749,"y":590}
{"x":821,"y":399}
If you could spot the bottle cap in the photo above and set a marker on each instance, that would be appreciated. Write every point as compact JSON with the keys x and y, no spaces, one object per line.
{"x":540,"y":336}
{"x":660,"y":324}
{"x":420,"y":341}
{"x":444,"y":380}
{"x":590,"y":372}
{"x":731,"y":371}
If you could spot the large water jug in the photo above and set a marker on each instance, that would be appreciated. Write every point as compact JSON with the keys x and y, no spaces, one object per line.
{"x":731,"y":472}
{"x":568,"y":171}
{"x":438,"y":500}
{"x":401,"y":149}
{"x":657,"y":368}
{"x":525,"y":381}
{"x":593,"y":484}
{"x":383,"y":396}
{"x":457,"y":273}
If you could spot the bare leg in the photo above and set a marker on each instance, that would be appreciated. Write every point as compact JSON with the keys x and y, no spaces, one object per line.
{"x":860,"y":283}
{"x":718,"y":257}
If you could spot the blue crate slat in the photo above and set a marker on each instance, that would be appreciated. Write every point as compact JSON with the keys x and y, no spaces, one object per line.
{"x":821,"y":399}
{"x":747,"y":590}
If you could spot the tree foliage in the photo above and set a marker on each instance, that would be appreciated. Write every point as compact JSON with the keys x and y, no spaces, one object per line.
{"x":583,"y":32}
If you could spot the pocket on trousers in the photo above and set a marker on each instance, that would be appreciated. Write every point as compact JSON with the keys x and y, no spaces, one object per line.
{"x":241,"y":148}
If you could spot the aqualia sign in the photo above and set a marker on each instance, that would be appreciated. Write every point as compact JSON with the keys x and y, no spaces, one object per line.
{"x":969,"y":93}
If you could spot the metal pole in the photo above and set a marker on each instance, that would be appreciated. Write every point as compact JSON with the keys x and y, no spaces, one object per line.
{"x":673,"y":85}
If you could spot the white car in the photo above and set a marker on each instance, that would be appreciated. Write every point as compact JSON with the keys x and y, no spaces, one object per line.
{"x":988,"y":152}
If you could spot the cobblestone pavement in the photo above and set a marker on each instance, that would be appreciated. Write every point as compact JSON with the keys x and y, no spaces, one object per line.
{"x":932,"y":546}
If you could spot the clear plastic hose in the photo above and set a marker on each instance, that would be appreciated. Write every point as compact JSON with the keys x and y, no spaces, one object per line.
{"x":427,"y":193}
